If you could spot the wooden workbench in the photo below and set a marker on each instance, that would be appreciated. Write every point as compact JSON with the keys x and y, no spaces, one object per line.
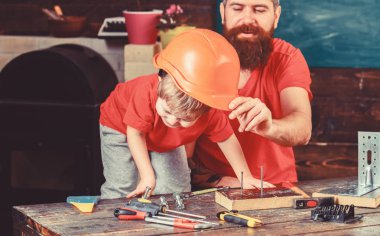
{"x":64,"y":219}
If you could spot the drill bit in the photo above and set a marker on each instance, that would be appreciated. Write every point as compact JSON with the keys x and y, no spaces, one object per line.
{"x":261,"y":180}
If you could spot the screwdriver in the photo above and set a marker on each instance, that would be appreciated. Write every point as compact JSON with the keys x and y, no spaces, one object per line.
{"x":233,"y":217}
{"x":131,"y":214}
{"x":204,"y":191}
{"x":178,"y":223}
{"x":154,"y":209}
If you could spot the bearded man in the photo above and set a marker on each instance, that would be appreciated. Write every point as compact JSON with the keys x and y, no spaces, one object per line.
{"x":272,"y":113}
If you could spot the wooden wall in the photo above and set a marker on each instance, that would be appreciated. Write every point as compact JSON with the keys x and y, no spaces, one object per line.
{"x":346,"y":100}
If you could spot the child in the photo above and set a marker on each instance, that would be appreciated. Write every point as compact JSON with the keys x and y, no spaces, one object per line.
{"x":145,"y":122}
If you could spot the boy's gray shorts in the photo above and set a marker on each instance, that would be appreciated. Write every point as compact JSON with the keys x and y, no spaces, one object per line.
{"x":121,"y":174}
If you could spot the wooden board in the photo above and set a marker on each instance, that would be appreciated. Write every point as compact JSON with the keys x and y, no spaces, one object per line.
{"x":251,"y":199}
{"x":371,"y":200}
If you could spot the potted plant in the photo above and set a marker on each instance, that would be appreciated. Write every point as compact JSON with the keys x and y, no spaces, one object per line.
{"x":172,"y":23}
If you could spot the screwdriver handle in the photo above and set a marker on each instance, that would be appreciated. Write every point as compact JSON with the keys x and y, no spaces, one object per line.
{"x":234,"y":217}
{"x":129,"y":214}
{"x":145,"y":206}
{"x":236,"y":220}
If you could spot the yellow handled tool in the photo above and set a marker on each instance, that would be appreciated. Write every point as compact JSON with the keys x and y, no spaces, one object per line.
{"x":233,"y":217}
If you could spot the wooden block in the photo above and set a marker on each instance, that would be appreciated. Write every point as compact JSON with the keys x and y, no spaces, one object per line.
{"x":136,"y":69}
{"x":370,"y":200}
{"x":277,"y":197}
{"x":140,"y":53}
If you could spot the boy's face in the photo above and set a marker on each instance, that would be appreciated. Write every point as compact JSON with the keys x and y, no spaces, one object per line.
{"x":168,"y":118}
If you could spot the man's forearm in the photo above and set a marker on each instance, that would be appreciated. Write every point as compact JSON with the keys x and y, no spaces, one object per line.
{"x":292,"y":130}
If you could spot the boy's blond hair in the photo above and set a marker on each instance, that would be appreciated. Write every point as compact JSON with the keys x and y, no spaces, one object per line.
{"x":181,"y":105}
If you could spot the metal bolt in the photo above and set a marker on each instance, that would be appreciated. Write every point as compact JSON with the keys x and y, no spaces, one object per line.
{"x":178,"y":201}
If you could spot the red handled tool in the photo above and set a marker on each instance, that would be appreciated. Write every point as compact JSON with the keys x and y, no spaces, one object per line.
{"x":304,"y":203}
{"x":179,"y":223}
{"x":129,"y":214}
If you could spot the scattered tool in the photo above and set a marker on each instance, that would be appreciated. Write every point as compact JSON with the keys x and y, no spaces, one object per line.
{"x":304,"y":203}
{"x":83,"y":203}
{"x":204,"y":191}
{"x":336,"y":213}
{"x":188,"y":218}
{"x":178,"y":223}
{"x":365,"y":191}
{"x":179,"y":205}
{"x":132,"y":214}
{"x":132,"y":209}
{"x":233,"y":217}
{"x":155,"y":209}
{"x":146,"y":194}
{"x":164,"y":202}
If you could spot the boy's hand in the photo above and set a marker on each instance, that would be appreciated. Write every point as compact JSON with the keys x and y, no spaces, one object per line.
{"x":248,"y":182}
{"x":141,"y":187}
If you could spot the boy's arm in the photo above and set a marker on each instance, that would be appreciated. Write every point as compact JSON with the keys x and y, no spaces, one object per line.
{"x":137,"y":145}
{"x":234,"y":154}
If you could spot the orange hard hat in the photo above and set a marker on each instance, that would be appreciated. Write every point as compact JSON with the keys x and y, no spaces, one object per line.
{"x":204,"y":65}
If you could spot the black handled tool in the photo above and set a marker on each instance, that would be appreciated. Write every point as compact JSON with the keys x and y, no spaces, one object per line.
{"x":129,"y":214}
{"x":304,"y":203}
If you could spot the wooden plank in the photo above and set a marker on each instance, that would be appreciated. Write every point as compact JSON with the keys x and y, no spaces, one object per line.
{"x":370,"y":200}
{"x":326,"y":160}
{"x":251,"y":199}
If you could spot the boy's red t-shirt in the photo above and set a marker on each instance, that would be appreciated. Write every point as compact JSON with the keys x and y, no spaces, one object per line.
{"x":133,"y":103}
{"x":286,"y":68}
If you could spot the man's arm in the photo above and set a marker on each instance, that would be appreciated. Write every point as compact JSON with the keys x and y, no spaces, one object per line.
{"x":294,"y":128}
{"x":137,"y":145}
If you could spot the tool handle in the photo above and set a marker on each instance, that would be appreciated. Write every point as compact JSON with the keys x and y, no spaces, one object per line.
{"x":175,"y":223}
{"x":145,"y":206}
{"x":236,"y":220}
{"x":234,"y":217}
{"x":129,"y":214}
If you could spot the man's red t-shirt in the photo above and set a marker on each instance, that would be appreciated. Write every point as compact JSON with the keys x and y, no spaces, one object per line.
{"x":286,"y":68}
{"x":133,"y":103}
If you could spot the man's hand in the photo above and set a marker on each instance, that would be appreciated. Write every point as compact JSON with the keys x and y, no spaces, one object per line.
{"x":252,"y":114}
{"x":141,"y":187}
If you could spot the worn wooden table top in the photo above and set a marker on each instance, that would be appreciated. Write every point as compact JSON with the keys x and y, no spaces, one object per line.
{"x":64,"y":219}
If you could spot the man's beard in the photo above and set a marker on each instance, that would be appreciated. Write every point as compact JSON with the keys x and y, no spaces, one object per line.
{"x":253,"y":52}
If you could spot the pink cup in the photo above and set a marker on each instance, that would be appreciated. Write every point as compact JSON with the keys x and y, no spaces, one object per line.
{"x":142,"y":26}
